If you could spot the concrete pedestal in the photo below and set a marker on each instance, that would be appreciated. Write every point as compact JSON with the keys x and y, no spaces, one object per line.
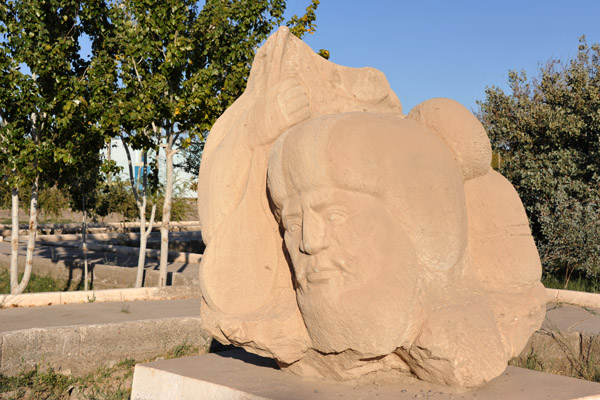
{"x":239,"y":375}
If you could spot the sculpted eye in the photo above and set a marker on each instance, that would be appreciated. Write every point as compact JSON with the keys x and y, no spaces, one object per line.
{"x":292,"y":225}
{"x":336,"y":216}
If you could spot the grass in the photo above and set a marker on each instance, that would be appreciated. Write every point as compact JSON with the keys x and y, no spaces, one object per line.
{"x":530,"y":361}
{"x":580,"y":284}
{"x":561,"y":355}
{"x":106,"y":383}
{"x":125,"y":308}
{"x":8,"y":221}
{"x":182,"y":350}
{"x":38,"y":283}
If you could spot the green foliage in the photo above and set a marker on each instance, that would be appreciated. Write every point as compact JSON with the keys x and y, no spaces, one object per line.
{"x":46,"y":128}
{"x":299,"y":26}
{"x":324,"y":53}
{"x":38,"y":284}
{"x":546,"y":140}
{"x":52,"y":202}
{"x":118,"y":198}
{"x":179,"y":208}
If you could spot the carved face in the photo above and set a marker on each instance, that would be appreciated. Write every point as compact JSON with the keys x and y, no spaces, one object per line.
{"x":321,"y":228}
{"x":354,"y":266}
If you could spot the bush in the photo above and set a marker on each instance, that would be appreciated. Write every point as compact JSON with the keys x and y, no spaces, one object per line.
{"x":118,"y":198}
{"x":546,"y":141}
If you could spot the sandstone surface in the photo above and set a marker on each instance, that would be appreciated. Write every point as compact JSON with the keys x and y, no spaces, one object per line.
{"x":346,"y":239}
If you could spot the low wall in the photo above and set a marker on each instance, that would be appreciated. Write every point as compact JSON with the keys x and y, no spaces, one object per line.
{"x":102,"y":276}
{"x":81,"y":349}
{"x":583,"y":299}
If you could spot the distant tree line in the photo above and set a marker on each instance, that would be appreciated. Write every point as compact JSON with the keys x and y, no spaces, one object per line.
{"x":545,"y":137}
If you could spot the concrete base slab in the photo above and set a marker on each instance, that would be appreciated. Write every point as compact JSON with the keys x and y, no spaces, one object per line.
{"x":240,"y":375}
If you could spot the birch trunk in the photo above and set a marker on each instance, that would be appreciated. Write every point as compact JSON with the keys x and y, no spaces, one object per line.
{"x":166,"y":212}
{"x":84,"y":247}
{"x":14,"y":242}
{"x":33,"y":211}
{"x":108,"y":158}
{"x":144,"y":233}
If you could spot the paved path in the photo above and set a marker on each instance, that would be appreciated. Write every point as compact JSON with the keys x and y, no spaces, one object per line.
{"x":562,"y":316}
{"x":567,"y":317}
{"x":14,"y":319}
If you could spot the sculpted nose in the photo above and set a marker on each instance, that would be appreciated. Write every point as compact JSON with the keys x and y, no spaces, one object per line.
{"x":314,"y":238}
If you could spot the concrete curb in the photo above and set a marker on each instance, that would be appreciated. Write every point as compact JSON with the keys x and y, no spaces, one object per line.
{"x":582,"y":299}
{"x":89,"y":296}
{"x":80,"y":349}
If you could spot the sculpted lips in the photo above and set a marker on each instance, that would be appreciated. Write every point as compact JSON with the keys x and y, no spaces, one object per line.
{"x":321,"y":275}
{"x":318,"y":270}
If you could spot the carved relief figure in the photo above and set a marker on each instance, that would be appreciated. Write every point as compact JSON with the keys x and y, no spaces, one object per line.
{"x":345,"y":238}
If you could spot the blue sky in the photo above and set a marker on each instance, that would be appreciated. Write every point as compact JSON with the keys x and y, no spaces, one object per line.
{"x":454,"y":49}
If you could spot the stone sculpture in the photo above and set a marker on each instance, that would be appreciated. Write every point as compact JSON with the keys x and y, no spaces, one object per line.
{"x":346,"y":239}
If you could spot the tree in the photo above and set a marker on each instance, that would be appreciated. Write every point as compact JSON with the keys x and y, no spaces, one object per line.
{"x":180,"y":67}
{"x":141,"y":200}
{"x":35,"y":35}
{"x":15,"y":144}
{"x":546,"y":140}
{"x":46,"y":131}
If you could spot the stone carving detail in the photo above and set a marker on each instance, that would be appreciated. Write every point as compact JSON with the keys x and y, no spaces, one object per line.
{"x":346,"y":239}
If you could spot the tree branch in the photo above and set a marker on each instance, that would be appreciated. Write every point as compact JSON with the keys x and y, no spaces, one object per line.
{"x":129,"y":164}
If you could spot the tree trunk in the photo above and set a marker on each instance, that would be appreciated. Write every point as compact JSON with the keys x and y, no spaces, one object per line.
{"x":108,"y":158}
{"x":144,"y":233}
{"x":568,"y":273}
{"x":166,"y":213}
{"x":14,"y":242}
{"x":33,"y":211}
{"x":84,"y":247}
{"x":139,"y":278}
